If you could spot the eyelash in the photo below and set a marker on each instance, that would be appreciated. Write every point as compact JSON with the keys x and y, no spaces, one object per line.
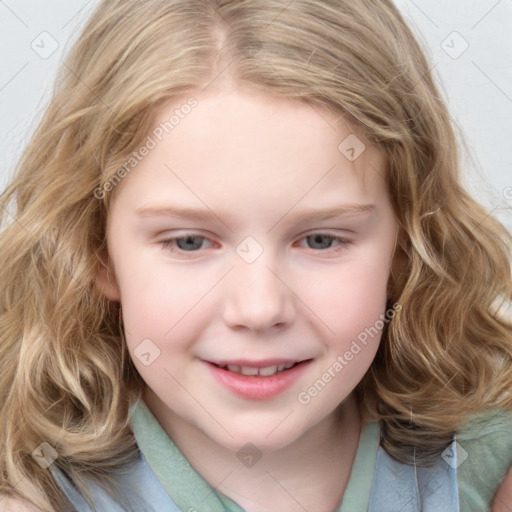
{"x":168,"y":244}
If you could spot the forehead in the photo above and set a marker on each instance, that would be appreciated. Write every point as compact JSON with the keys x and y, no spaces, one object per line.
{"x":246,"y":143}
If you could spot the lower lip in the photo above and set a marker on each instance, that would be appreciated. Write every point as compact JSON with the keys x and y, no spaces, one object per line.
{"x":254,"y":387}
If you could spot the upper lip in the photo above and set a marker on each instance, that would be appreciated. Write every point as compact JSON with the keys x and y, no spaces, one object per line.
{"x":264,"y":363}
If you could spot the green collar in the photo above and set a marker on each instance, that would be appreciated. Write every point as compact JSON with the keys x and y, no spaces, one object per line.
{"x":188,"y":489}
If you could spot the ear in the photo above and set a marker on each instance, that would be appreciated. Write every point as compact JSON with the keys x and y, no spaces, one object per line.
{"x":106,"y":281}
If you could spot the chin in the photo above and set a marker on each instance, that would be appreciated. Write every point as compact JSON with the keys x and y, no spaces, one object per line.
{"x":263,"y":437}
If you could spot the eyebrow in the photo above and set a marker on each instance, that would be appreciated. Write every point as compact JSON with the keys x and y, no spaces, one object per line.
{"x":315,"y":214}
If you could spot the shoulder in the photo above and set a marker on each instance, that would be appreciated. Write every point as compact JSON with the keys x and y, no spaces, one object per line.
{"x":484,"y":446}
{"x":8,"y":504}
{"x":487,"y":438}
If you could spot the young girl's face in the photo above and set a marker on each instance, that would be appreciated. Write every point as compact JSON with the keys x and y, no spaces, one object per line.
{"x":254,"y":234}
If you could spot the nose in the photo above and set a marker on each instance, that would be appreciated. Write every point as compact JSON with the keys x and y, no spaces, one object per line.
{"x":258,"y":298}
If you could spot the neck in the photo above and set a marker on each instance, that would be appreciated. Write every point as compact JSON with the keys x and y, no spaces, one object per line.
{"x":310,"y":473}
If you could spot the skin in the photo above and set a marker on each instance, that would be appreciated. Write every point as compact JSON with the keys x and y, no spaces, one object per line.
{"x":253,"y":162}
{"x":503,"y":498}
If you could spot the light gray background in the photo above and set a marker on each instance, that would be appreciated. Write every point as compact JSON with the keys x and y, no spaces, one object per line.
{"x":468,"y":43}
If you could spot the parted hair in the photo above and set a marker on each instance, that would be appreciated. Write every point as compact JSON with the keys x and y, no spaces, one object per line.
{"x":66,"y":377}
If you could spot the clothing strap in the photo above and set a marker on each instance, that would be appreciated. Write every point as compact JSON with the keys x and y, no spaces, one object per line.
{"x":401,"y":487}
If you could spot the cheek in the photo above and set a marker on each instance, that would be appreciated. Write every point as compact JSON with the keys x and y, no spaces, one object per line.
{"x":351,"y":298}
{"x":352,"y":304}
{"x":161,"y":324}
{"x":168,"y":307}
{"x":156,"y":296}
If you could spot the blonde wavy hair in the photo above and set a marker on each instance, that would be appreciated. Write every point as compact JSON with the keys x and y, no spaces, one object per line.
{"x":66,"y":377}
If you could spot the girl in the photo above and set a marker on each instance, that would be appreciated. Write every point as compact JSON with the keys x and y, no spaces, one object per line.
{"x":239,"y":272}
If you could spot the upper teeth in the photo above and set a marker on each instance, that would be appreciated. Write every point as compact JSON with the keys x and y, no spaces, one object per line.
{"x":267,"y":371}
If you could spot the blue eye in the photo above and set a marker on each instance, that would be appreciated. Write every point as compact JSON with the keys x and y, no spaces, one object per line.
{"x":190,"y":243}
{"x":324,"y":241}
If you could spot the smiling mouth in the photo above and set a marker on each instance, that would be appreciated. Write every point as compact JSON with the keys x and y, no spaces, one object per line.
{"x":266,"y":371}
